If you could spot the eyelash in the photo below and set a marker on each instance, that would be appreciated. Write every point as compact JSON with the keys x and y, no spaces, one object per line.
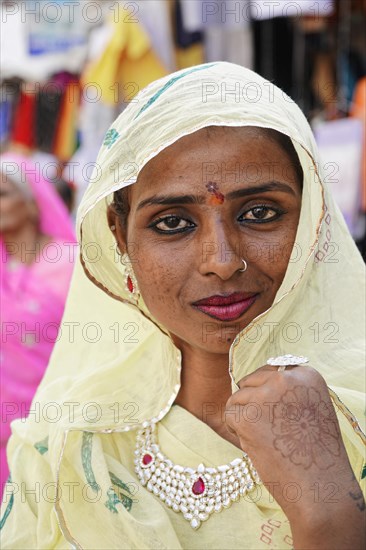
{"x":279,"y":212}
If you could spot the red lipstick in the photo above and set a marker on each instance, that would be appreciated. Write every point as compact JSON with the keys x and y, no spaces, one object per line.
{"x":226,"y":308}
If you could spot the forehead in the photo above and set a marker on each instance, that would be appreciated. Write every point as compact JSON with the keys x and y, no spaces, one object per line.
{"x":223,"y":154}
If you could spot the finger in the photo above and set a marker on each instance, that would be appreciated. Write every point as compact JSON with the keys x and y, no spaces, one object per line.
{"x":245,"y":407}
{"x":260,"y":376}
{"x":257,"y":378}
{"x":242,"y":397}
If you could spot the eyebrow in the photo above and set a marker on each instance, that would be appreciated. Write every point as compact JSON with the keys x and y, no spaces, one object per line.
{"x":200,"y":199}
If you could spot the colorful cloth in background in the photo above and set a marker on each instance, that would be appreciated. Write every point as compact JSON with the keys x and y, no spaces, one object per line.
{"x":48,"y":107}
{"x":22,"y":132}
{"x":359,"y":110}
{"x":127,"y":64}
{"x":65,"y":139}
{"x":342,"y":140}
{"x":32,"y":300}
{"x":44,"y":116}
{"x":5,"y":115}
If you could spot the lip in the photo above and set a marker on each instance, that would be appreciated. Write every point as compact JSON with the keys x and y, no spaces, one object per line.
{"x":226,"y":307}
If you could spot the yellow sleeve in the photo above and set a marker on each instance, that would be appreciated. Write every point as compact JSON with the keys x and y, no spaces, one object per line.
{"x":28,"y":519}
{"x":349,"y":405}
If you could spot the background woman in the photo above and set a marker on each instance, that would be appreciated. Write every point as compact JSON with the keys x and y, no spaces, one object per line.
{"x":37,"y":245}
{"x":222,"y":248}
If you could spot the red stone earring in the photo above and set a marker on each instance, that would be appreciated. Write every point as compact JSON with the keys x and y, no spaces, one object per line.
{"x":130,"y":279}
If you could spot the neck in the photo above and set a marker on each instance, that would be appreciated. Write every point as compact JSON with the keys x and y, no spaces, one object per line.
{"x":205,"y":388}
{"x":25,"y":243}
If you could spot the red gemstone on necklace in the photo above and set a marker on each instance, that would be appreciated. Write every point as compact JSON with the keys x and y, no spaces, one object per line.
{"x":198,"y":487}
{"x":130,"y":284}
{"x":146,"y":459}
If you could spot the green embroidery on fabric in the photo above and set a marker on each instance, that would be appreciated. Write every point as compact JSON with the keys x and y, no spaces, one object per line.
{"x":363,"y":473}
{"x":110,"y":138}
{"x":8,"y":508}
{"x":121,"y":498}
{"x":168,"y":85}
{"x":86,"y":453}
{"x":42,"y":446}
{"x":112,"y":501}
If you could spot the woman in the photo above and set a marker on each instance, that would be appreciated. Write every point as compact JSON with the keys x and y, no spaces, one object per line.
{"x":220,"y":251}
{"x":36,"y":242}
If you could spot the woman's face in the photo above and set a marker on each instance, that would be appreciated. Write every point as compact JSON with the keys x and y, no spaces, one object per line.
{"x":202,"y":205}
{"x":15,"y":208}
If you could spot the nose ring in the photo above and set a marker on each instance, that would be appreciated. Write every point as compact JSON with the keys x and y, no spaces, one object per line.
{"x":245,"y":266}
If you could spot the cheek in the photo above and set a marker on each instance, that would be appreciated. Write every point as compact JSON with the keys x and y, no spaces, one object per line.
{"x":270,"y":253}
{"x":159,"y":278}
{"x":13,"y":211}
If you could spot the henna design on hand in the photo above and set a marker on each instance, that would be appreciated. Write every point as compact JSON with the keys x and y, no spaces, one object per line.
{"x":358,"y":498}
{"x":306,"y":428}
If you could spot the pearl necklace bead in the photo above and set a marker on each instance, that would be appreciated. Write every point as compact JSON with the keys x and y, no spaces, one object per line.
{"x":194,"y":492}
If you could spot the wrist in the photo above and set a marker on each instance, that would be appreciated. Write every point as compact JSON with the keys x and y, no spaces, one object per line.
{"x":339,"y":525}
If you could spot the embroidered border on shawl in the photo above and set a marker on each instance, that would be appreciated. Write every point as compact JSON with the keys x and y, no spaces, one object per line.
{"x":8,"y":508}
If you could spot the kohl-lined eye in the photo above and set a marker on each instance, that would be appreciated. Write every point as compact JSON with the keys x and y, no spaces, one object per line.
{"x":260,"y":214}
{"x":171,"y":224}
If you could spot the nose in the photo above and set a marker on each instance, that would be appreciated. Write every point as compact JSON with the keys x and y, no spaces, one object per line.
{"x":220,"y":252}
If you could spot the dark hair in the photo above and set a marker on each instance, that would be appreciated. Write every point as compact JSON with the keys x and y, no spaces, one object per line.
{"x":286,"y":144}
{"x":121,"y":198}
{"x":121,"y":205}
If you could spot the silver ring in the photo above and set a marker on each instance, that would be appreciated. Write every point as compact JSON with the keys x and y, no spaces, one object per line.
{"x":245,"y":266}
{"x":283,"y":361}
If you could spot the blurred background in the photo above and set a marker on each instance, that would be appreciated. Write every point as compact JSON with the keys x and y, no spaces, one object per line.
{"x":68,"y":68}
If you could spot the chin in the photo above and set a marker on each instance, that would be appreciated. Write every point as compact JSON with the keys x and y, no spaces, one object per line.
{"x":220,"y":341}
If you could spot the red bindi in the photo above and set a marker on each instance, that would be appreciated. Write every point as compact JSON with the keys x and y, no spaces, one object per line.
{"x":216,"y":196}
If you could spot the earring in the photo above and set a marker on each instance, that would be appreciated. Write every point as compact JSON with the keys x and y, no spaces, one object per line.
{"x":245,"y":266}
{"x":130,"y":278}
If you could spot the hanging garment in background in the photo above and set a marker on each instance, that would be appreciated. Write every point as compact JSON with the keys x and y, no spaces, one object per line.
{"x":126,"y":65}
{"x":5,"y":119}
{"x":48,"y":106}
{"x":340,"y":149}
{"x":226,"y":28}
{"x":65,"y":139}
{"x":358,"y":110}
{"x":264,"y":9}
{"x":24,"y":121}
{"x":228,"y":44}
{"x":51,"y":39}
{"x":188,"y":52}
{"x":94,"y":121}
{"x":184,"y":38}
{"x":154,"y":17}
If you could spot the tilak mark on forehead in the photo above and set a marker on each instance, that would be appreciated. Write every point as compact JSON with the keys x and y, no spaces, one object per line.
{"x":216,"y":196}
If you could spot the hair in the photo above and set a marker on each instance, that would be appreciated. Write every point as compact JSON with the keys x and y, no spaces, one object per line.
{"x":65,"y":191}
{"x":121,"y":205}
{"x":288,"y":147}
{"x":121,"y":197}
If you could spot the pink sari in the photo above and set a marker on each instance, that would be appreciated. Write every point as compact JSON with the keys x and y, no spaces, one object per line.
{"x":32,"y":302}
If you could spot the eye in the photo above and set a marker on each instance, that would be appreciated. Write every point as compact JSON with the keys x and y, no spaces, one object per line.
{"x":171,"y":224}
{"x":260,"y":214}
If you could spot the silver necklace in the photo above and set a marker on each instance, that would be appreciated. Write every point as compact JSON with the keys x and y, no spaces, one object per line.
{"x":194,"y":492}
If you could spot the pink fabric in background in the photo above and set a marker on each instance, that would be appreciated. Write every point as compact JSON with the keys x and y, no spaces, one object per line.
{"x":32,"y":302}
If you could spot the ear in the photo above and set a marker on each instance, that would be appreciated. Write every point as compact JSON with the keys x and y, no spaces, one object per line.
{"x":115,"y":226}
